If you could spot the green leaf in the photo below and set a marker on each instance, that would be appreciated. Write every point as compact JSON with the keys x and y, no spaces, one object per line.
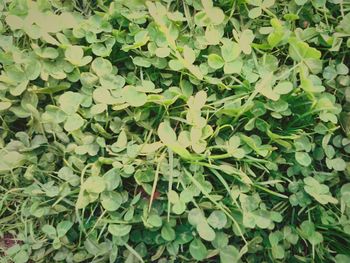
{"x":70,"y":102}
{"x":198,"y":250}
{"x":142,"y":62}
{"x":229,"y":254}
{"x":337,"y":164}
{"x":119,"y":230}
{"x":278,"y":33}
{"x":20,"y":88}
{"x":198,"y":101}
{"x":215,"y":61}
{"x":168,"y":233}
{"x":83,"y":200}
{"x":168,"y":137}
{"x":300,"y":2}
{"x":299,"y":50}
{"x":14,"y":22}
{"x":50,"y":231}
{"x":98,"y":108}
{"x":342,"y":258}
{"x":221,"y":109}
{"x":21,"y":257}
{"x":67,"y":174}
{"x":134,"y":97}
{"x":303,"y":158}
{"x":102,"y":67}
{"x":155,"y":220}
{"x":112,"y":179}
{"x":94,"y":184}
{"x":264,"y":87}
{"x":308,"y":230}
{"x":213,"y":35}
{"x":278,"y":252}
{"x":175,"y":64}
{"x":230,"y":50}
{"x":73,"y":122}
{"x":54,"y":114}
{"x":10,"y":160}
{"x":217,"y":219}
{"x":49,"y":52}
{"x":255,"y":2}
{"x":205,"y":231}
{"x":233,"y":67}
{"x":111,"y":201}
{"x":345,"y":194}
{"x":246,"y":38}
{"x":283,"y":87}
{"x":195,"y":216}
{"x":189,"y":55}
{"x":162,"y":52}
{"x":74,"y":54}
{"x":179,"y":207}
{"x":63,"y":227}
{"x":318,"y":191}
{"x":255,"y":12}
{"x":216,"y":15}
{"x":4,"y":105}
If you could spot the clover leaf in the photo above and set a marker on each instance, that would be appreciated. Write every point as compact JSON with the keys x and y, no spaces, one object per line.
{"x":198,"y":249}
{"x":318,"y":191}
{"x":134,"y":97}
{"x":168,"y":137}
{"x":195,"y":130}
{"x":260,"y":6}
{"x":119,"y":230}
{"x":345,"y":194}
{"x":73,"y":122}
{"x":229,"y":254}
{"x":75,"y":55}
{"x":233,"y":147}
{"x":309,"y":232}
{"x":303,"y":158}
{"x":70,"y":102}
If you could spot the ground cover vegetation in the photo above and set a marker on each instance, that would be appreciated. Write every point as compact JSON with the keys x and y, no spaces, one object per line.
{"x":174,"y":131}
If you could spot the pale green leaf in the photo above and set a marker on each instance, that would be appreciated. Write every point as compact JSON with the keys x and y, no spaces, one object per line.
{"x":217,"y":219}
{"x":119,"y":230}
{"x":229,"y":254}
{"x":73,"y":122}
{"x":111,"y":201}
{"x":134,"y":97}
{"x":303,"y":158}
{"x":205,"y":231}
{"x":215,"y":61}
{"x":198,"y":250}
{"x":230,"y":50}
{"x":94,"y":184}
{"x":70,"y":102}
{"x":255,"y":12}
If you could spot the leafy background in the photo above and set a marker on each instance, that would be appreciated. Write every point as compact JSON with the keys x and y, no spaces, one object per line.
{"x":175,"y":131}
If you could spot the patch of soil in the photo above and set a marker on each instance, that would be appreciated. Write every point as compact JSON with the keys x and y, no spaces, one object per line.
{"x":8,"y":241}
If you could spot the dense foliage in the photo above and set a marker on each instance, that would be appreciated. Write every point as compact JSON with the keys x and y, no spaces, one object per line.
{"x":174,"y":131}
